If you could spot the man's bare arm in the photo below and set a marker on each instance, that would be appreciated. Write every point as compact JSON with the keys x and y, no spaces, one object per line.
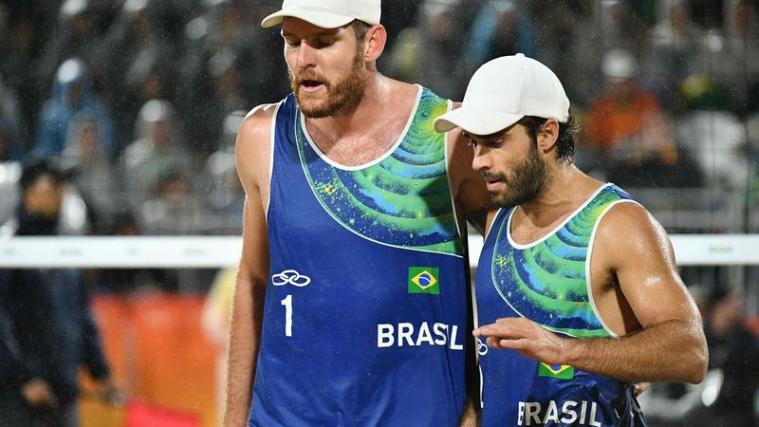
{"x":671,"y":344}
{"x":247,"y":313}
{"x":469,"y":417}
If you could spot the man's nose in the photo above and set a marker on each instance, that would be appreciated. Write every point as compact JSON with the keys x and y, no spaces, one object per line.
{"x":481,"y":161}
{"x":306,"y":56}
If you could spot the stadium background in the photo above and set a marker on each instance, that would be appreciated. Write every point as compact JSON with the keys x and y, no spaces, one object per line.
{"x":666,"y":92}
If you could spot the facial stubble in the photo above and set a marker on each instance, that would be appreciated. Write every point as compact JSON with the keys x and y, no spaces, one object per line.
{"x":526,"y":183}
{"x":345,"y":95}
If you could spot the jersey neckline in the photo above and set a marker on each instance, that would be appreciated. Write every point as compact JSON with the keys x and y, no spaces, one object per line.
{"x":382,"y":157}
{"x":516,"y":245}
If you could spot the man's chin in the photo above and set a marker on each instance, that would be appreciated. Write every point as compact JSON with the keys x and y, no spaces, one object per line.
{"x":315,"y":112}
{"x":501,"y":200}
{"x":312,"y":107}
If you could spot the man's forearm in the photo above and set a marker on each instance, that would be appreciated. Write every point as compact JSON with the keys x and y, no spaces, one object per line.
{"x":243,"y":348}
{"x":674,"y":350}
{"x":469,"y":416}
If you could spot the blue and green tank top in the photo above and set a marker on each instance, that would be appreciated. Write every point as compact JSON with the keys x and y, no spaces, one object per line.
{"x":365,"y":316}
{"x":548,"y":282}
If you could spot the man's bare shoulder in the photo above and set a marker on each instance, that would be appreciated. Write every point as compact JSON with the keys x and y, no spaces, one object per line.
{"x":628,"y":229}
{"x":628,"y":217}
{"x":253,"y":145}
{"x":257,"y":123}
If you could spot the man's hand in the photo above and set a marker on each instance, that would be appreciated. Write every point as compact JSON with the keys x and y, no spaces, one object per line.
{"x":38,"y":394}
{"x":640,"y":388}
{"x":526,"y":337}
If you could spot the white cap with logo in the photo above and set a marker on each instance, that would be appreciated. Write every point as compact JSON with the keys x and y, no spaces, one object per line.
{"x":504,"y":90}
{"x":327,"y":13}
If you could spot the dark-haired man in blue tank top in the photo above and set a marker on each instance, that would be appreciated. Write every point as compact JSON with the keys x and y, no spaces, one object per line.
{"x":577,"y":292}
{"x":351,"y":301}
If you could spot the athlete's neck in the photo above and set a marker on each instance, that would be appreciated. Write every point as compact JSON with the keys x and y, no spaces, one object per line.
{"x":565,"y":191}
{"x":369,"y":128}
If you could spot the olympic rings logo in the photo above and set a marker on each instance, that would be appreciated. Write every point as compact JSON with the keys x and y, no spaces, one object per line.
{"x":290,"y":277}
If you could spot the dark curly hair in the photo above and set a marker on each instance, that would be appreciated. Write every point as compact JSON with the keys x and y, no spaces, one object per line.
{"x":565,"y":143}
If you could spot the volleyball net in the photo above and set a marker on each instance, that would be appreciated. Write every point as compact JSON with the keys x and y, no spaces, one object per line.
{"x":224,"y":251}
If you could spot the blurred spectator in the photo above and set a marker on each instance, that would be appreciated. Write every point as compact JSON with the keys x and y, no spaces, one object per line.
{"x":46,"y":328}
{"x":174,"y":207}
{"x":431,"y":54}
{"x":126,"y":281}
{"x":227,"y":94}
{"x":224,"y":44}
{"x":617,"y":116}
{"x":24,"y":33}
{"x":500,"y":28}
{"x":141,"y":61}
{"x":224,"y":192}
{"x":708,"y":14}
{"x":72,"y":94}
{"x":405,"y":58}
{"x":92,"y":171}
{"x":10,"y":123}
{"x":397,"y":15}
{"x":733,"y":349}
{"x":157,"y":149}
{"x":654,"y":159}
{"x":9,"y":174}
{"x":10,"y":148}
{"x":601,"y":26}
{"x":76,"y":35}
{"x":717,"y":141}
{"x":554,"y":25}
{"x":752,"y":126}
{"x":674,"y":50}
{"x":226,"y":76}
{"x":742,"y":51}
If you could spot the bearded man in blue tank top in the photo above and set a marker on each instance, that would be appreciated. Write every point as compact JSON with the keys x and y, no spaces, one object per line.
{"x":351,"y":301}
{"x":577,"y":294}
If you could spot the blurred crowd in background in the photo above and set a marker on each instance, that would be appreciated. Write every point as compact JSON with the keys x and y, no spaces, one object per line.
{"x":139,"y":101}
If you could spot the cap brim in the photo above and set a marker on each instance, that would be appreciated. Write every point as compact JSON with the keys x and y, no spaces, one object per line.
{"x":316,"y":17}
{"x":475,"y":121}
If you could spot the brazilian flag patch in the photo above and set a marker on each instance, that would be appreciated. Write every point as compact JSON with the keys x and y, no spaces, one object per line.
{"x":559,"y":372}
{"x":423,"y":280}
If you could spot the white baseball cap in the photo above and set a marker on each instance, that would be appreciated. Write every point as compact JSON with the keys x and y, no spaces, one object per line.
{"x":327,"y":13}
{"x":504,"y":90}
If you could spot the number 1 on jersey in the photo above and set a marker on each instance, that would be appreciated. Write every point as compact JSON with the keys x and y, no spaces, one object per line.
{"x":288,"y":303}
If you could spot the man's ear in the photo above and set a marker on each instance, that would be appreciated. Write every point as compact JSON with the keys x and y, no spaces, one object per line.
{"x":374,"y":43}
{"x":548,"y":134}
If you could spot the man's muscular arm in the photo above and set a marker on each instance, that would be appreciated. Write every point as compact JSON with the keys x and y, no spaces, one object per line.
{"x":253,"y":154}
{"x":670,"y":346}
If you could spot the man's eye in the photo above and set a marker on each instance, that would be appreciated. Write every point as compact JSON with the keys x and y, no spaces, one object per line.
{"x":292,"y":43}
{"x":322,"y":43}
